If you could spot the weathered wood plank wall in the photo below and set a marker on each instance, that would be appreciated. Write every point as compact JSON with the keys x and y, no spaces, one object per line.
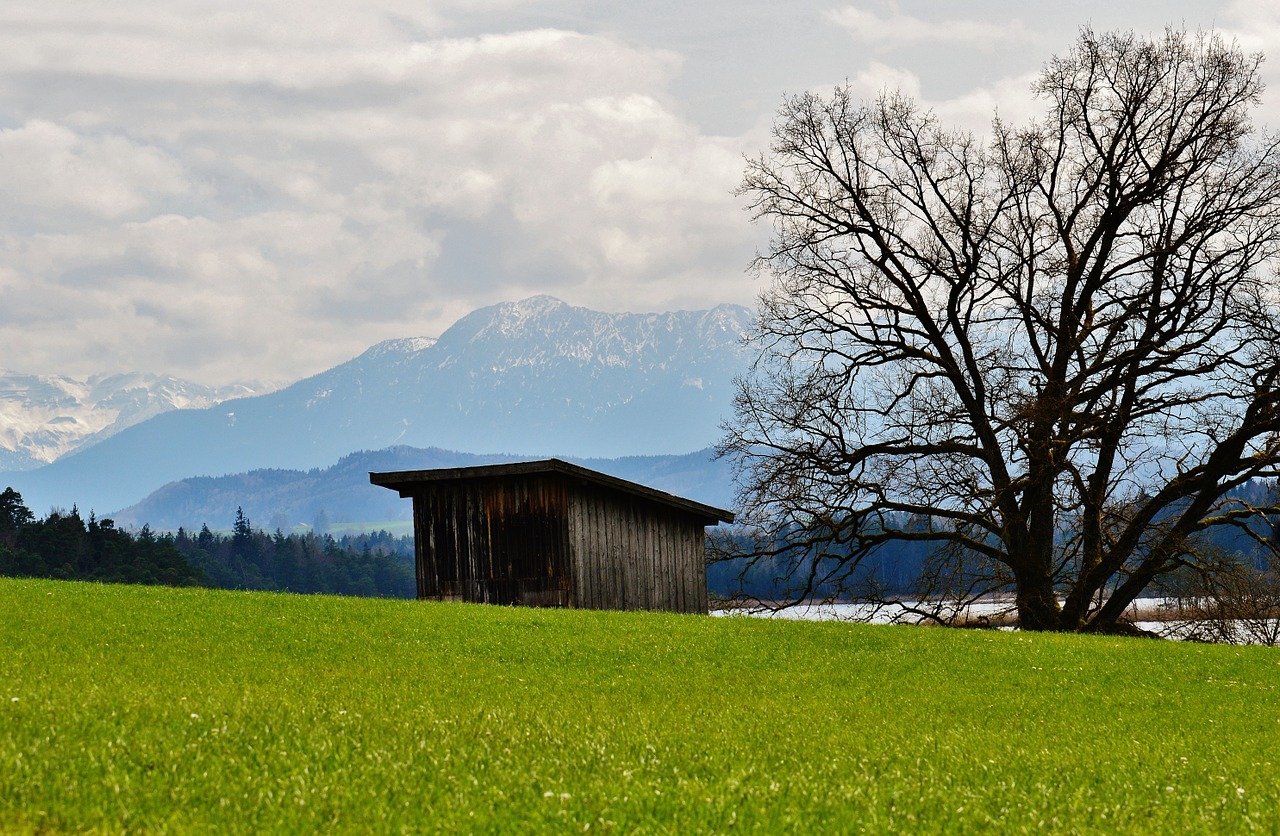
{"x":630,"y":554}
{"x":494,"y":541}
{"x":552,"y":540}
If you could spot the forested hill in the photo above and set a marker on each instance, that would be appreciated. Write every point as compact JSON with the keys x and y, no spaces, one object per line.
{"x":342,"y":493}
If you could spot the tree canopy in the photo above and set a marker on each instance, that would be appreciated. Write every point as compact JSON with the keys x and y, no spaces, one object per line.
{"x":1052,"y":353}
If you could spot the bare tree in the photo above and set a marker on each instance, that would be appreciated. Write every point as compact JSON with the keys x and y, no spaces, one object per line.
{"x":1237,"y":604}
{"x":1059,"y":347}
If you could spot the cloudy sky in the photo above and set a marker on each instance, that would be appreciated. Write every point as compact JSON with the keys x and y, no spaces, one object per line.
{"x":232,"y":190}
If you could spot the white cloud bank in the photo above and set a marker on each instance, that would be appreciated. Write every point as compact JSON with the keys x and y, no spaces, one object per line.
{"x":230,"y":191}
{"x":50,"y":167}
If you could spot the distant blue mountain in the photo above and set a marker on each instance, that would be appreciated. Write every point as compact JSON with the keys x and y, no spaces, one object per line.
{"x":531,"y":378}
{"x":342,"y":493}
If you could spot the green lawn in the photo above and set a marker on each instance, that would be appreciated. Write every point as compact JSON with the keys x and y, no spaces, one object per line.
{"x":140,"y":708}
{"x":396,"y":528}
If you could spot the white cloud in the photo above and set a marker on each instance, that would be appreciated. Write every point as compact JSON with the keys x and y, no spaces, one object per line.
{"x":877,"y":78}
{"x":1011,"y":99}
{"x":264,"y":191}
{"x":896,"y":30}
{"x":1255,"y":25}
{"x":657,"y":209}
{"x":292,"y":44}
{"x":217,"y":298}
{"x":49,"y":166}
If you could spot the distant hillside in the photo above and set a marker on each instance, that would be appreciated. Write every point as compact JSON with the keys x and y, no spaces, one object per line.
{"x":343,"y":493}
{"x":531,"y":378}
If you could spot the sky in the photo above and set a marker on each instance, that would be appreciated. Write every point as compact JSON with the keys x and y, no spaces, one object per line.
{"x":257,"y":190}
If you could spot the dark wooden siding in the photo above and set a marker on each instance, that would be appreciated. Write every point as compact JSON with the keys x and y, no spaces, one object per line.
{"x":631,"y":554}
{"x":496,"y":541}
{"x":550,"y":539}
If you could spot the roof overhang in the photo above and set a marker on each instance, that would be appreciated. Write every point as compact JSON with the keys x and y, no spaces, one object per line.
{"x":409,"y":482}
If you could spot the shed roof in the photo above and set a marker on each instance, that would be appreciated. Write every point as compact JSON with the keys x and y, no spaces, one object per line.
{"x":405,"y":481}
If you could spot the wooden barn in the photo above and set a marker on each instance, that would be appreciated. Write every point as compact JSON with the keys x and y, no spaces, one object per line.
{"x":552,"y":534}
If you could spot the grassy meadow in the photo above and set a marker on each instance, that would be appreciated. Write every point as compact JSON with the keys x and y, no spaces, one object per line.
{"x":162,"y":710}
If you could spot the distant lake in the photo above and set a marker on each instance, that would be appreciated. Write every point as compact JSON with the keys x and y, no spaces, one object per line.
{"x":1157,"y":615}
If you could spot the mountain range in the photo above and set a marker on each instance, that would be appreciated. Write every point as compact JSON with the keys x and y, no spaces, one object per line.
{"x":533,"y":378}
{"x":45,"y":417}
{"x":342,"y":493}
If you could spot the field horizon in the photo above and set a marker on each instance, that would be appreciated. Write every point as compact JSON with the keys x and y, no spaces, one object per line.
{"x":179,"y":710}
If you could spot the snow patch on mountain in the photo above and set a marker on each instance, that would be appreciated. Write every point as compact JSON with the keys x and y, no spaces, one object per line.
{"x":43,"y":417}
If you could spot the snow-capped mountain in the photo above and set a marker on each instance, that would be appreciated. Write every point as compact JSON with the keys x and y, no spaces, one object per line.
{"x":541,"y":375}
{"x":536,"y":377}
{"x":43,"y":417}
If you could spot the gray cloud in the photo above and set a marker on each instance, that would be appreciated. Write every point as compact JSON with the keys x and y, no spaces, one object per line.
{"x":263,"y":190}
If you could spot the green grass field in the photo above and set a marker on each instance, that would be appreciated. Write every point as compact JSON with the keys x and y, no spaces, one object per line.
{"x":149,"y":709}
{"x":396,"y":528}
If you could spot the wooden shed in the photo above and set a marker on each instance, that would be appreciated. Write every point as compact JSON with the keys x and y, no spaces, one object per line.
{"x":553,"y":534}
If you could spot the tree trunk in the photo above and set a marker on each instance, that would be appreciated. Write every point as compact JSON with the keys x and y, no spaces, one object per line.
{"x":1037,"y":605}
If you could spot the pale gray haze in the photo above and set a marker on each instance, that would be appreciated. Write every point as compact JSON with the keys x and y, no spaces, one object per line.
{"x":229,"y":190}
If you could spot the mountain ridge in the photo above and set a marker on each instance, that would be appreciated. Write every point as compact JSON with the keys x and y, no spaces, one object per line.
{"x":534,"y":377}
{"x":44,"y":417}
{"x":342,"y":491}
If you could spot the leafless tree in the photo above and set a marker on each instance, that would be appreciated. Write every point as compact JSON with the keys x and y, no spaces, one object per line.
{"x":1237,"y":604}
{"x":1059,"y":346}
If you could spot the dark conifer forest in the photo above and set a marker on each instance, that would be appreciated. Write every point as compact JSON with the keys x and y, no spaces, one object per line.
{"x":64,"y":545}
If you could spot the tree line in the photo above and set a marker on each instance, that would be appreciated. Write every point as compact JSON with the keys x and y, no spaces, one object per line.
{"x":370,"y":565}
{"x":66,"y":546}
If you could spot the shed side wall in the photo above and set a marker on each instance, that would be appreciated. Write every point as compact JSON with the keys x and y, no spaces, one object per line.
{"x":629,"y":554}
